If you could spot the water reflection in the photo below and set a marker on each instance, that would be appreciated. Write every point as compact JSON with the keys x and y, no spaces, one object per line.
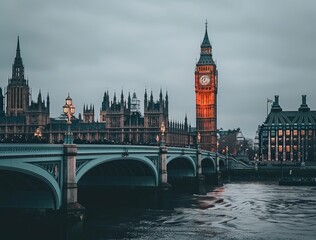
{"x":234,"y":211}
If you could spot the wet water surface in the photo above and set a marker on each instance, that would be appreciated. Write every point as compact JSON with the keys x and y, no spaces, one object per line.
{"x":234,"y":211}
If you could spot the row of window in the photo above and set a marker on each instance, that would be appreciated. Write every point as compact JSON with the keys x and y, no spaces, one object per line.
{"x":288,"y":132}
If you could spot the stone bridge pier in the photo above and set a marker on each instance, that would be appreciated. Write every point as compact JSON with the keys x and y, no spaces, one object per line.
{"x":163,"y":192}
{"x":72,"y":212}
{"x":200,"y":178}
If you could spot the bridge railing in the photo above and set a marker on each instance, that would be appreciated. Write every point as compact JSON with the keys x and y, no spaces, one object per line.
{"x":116,"y":149}
{"x":237,"y":164}
{"x":16,"y":149}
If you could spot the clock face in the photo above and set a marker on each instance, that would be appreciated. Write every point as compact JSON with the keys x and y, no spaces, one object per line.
{"x":204,"y":80}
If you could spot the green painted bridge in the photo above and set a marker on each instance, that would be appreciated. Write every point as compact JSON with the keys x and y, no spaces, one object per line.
{"x":48,"y":176}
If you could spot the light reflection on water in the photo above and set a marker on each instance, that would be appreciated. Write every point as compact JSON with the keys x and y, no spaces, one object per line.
{"x":234,"y":211}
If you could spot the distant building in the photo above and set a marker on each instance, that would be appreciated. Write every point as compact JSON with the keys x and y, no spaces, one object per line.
{"x":231,"y":142}
{"x":288,"y":135}
{"x":22,"y":118}
{"x":121,"y":121}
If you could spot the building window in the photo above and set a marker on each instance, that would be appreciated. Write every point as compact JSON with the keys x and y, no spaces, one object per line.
{"x":287,"y":148}
{"x":280,"y":132}
{"x":303,"y":132}
{"x":280,"y":148}
{"x":295,"y":132}
{"x":287,"y":132}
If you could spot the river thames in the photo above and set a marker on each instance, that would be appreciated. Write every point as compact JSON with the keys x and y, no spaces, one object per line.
{"x":233,"y":211}
{"x":240,"y":210}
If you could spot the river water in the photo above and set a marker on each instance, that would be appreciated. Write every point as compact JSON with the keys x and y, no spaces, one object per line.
{"x":233,"y":211}
{"x":243,"y":210}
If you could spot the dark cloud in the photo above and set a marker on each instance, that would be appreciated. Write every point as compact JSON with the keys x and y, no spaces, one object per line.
{"x":262,"y":48}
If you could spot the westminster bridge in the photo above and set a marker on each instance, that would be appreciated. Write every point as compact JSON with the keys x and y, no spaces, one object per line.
{"x":48,"y":176}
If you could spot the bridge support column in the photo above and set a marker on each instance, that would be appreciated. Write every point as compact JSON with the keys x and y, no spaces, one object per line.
{"x":163,"y":196}
{"x":72,"y":211}
{"x":200,"y":177}
{"x":219,"y":181}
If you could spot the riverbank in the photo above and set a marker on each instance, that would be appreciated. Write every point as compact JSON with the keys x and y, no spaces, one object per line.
{"x":268,"y":173}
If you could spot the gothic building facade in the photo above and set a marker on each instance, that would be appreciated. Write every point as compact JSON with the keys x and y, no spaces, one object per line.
{"x":206,"y":96}
{"x":22,"y":117}
{"x":120,"y":122}
{"x":288,"y":135}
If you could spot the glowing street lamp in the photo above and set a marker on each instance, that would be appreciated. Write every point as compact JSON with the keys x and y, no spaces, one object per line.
{"x":69,"y":111}
{"x":157,"y":139}
{"x":162,"y":130}
{"x":198,"y":139}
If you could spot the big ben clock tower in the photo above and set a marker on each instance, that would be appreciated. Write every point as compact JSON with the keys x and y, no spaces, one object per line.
{"x":206,"y":96}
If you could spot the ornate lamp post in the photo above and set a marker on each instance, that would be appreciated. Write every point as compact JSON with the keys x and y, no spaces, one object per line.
{"x":69,"y":111}
{"x":227,"y":157}
{"x":217,"y":157}
{"x":162,"y":130}
{"x":198,"y":140}
{"x":157,"y":139}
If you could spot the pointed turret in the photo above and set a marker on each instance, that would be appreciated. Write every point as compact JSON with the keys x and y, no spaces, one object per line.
{"x":160,"y":96}
{"x":104,"y":97}
{"x":39,"y":97}
{"x":276,"y":106}
{"x":18,"y":52}
{"x":206,"y":50}
{"x":145,"y":99}
{"x":106,"y":101}
{"x":18,"y":68}
{"x":151,"y":97}
{"x":186,"y":122}
{"x":304,"y":107}
{"x":122,"y":97}
{"x":114,"y":98}
{"x":206,"y":42}
{"x":1,"y":103}
{"x":167,"y":102}
{"x":129,"y":101}
{"x":48,"y":102}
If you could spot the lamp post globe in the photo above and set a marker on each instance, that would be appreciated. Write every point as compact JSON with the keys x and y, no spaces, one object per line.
{"x":162,"y":130}
{"x":69,"y":111}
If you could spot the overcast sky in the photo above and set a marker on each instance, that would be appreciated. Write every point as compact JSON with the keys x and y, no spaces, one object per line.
{"x":262,"y":48}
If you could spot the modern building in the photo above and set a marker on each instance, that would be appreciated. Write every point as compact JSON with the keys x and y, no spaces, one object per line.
{"x":121,"y":121}
{"x":206,"y":96}
{"x":288,"y":135}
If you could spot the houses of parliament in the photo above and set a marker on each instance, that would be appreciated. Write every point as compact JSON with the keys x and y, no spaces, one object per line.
{"x":120,"y":122}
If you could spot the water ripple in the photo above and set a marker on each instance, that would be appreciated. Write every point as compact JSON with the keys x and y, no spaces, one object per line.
{"x":234,"y":211}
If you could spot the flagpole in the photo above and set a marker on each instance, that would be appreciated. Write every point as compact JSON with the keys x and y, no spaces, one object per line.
{"x":268,"y":101}
{"x":267,"y":106}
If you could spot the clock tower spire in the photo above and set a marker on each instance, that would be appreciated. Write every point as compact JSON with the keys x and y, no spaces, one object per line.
{"x":206,"y":96}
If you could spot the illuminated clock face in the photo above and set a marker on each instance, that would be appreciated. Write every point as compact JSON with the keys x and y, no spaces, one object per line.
{"x":204,"y":80}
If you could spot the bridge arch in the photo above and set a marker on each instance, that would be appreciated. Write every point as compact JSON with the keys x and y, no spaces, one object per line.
{"x":30,"y":187}
{"x":118,"y":171}
{"x":181,"y":166}
{"x":208,"y":166}
{"x":222,"y":163}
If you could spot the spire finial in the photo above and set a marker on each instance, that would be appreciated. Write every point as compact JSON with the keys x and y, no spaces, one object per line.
{"x":206,"y":24}
{"x":18,"y":52}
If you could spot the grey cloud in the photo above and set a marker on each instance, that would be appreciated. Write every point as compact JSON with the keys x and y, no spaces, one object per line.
{"x":262,"y":48}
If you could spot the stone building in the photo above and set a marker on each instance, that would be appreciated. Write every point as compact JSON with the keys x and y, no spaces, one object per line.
{"x":206,"y":85}
{"x":288,"y":135}
{"x":22,"y":118}
{"x":121,"y":121}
